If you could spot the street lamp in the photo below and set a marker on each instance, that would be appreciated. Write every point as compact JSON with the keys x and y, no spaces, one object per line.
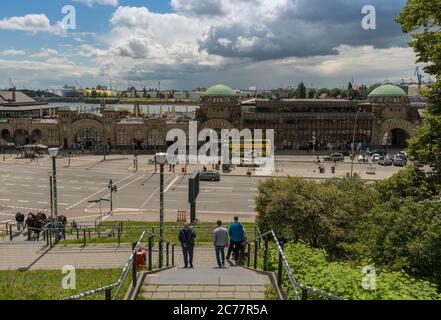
{"x":353,"y":143}
{"x":53,"y":152}
{"x":161,"y":158}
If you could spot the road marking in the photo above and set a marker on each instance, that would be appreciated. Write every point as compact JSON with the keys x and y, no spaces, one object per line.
{"x":42,"y":202}
{"x":206,"y":201}
{"x":218,"y":188}
{"x":119,"y":189}
{"x":153,"y":193}
{"x":171,"y":183}
{"x":253,"y":189}
{"x":5,"y":199}
{"x":25,"y":185}
{"x":35,"y":193}
{"x":77,"y":188}
{"x":23,"y":201}
{"x":9,"y":184}
{"x":94,"y":194}
{"x":41,"y":186}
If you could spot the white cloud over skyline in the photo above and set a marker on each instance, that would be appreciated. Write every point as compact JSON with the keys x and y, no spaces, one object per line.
{"x":238,"y":42}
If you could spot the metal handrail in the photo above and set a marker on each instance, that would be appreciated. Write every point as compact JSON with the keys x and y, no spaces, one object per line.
{"x":290,"y":274}
{"x":123,"y":274}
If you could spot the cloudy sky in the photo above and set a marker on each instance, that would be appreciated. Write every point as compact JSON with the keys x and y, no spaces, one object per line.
{"x":195,"y":43}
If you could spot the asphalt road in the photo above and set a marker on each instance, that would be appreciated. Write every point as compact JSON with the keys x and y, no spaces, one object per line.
{"x":24,"y":187}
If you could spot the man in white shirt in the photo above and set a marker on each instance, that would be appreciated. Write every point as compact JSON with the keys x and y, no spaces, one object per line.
{"x":220,"y":242}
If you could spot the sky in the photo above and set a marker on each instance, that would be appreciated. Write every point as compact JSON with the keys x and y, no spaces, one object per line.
{"x":186,"y":44}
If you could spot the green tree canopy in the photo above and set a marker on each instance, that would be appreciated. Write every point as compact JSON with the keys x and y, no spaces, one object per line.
{"x":422,"y":19}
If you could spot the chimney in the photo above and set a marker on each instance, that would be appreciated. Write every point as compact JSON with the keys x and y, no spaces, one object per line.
{"x":13,"y":94}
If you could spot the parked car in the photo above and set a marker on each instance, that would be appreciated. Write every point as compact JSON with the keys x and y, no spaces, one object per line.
{"x":209,"y":176}
{"x":386,"y":161}
{"x":399,"y":162}
{"x":381,"y":152}
{"x":375,"y":157}
{"x":362,"y":158}
{"x":334,"y":157}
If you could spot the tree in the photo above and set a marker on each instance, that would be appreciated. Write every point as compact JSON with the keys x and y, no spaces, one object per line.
{"x":312,"y":93}
{"x":321,"y":214}
{"x":301,"y":91}
{"x":336,"y":92}
{"x":423,"y":20}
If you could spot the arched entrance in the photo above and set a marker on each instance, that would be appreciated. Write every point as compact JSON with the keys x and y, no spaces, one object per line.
{"x":21,"y":137}
{"x":36,"y":136}
{"x":88,"y":138}
{"x":396,"y":138}
{"x":6,"y":135}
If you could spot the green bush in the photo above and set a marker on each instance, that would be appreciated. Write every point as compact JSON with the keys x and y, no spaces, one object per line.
{"x":311,"y":267}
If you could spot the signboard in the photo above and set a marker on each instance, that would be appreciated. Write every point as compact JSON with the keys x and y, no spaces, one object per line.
{"x":193,"y":187}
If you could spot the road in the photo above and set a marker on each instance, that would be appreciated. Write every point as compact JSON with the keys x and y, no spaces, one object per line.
{"x":24,"y":187}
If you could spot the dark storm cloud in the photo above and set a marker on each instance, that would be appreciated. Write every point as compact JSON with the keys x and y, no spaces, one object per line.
{"x":199,"y":8}
{"x":308,"y":28}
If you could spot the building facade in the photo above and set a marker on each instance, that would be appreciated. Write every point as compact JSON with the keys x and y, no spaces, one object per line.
{"x":386,"y":118}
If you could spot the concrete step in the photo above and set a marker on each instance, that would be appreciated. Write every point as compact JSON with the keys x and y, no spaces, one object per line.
{"x":203,"y":292}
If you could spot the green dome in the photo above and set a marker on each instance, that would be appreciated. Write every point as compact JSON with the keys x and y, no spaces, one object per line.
{"x":219,"y":90}
{"x":388,"y":90}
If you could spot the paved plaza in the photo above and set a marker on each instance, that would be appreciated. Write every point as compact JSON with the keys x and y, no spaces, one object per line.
{"x":25,"y":187}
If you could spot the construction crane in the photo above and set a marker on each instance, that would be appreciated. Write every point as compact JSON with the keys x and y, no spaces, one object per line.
{"x":11,"y":83}
{"x":419,"y":76}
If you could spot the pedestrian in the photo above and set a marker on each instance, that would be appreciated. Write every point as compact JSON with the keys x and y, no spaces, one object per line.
{"x":19,"y":219}
{"x":30,"y":224}
{"x":186,"y":238}
{"x":220,"y":241}
{"x":237,"y":236}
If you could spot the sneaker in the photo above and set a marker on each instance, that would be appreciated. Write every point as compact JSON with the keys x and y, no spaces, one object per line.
{"x":191,"y":267}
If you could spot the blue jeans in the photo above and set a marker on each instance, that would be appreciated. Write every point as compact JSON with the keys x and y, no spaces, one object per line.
{"x":188,"y":255}
{"x":220,"y":255}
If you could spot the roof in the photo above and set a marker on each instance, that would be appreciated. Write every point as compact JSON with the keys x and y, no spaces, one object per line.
{"x":20,"y":97}
{"x":219,"y":90}
{"x":388,"y":90}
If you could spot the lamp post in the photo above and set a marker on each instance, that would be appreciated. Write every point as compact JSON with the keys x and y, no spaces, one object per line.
{"x":353,"y":143}
{"x":53,"y":152}
{"x":161,"y":158}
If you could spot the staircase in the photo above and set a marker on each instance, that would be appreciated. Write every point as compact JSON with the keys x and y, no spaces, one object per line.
{"x":205,"y":282}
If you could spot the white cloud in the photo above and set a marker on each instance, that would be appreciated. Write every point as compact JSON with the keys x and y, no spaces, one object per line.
{"x":12,"y":52}
{"x":91,"y":3}
{"x":33,"y":23}
{"x":45,"y":53}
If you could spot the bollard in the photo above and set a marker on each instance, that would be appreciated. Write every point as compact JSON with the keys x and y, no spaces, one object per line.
{"x":78,"y":234}
{"x":173,"y":254}
{"x":119,"y":236}
{"x":304,"y":294}
{"x":150,"y":252}
{"x":7,"y":228}
{"x":134,"y":266}
{"x":280,"y":270}
{"x":248,"y":248}
{"x":84,"y":237}
{"x":10,"y":233}
{"x":265,"y":256}
{"x":167,"y":253}
{"x":255,"y":254}
{"x":108,"y":294}
{"x":88,"y":230}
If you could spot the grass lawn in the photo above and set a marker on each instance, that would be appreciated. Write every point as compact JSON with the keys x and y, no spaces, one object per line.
{"x":47,"y":284}
{"x":132,"y":231}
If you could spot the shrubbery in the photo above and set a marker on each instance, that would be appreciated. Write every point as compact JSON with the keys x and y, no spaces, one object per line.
{"x":311,"y":267}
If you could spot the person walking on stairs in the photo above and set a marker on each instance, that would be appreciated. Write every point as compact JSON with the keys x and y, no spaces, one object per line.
{"x":186,"y":238}
{"x":237,"y":236}
{"x":220,"y":241}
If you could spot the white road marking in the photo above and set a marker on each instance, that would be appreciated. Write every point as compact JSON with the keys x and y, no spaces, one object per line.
{"x":5,"y":199}
{"x":171,"y":183}
{"x":153,"y":193}
{"x":42,"y":202}
{"x":218,"y":188}
{"x":94,"y":194}
{"x":206,"y":201}
{"x":23,"y":201}
{"x":9,"y":184}
{"x":35,"y":193}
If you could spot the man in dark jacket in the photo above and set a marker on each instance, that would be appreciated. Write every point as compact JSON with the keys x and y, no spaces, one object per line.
{"x":19,"y":218}
{"x":186,"y":238}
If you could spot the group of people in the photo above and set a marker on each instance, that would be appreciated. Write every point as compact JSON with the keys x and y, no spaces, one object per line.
{"x":231,"y":238}
{"x":34,"y":223}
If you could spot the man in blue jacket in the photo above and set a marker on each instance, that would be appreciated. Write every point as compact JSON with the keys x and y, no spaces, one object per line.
{"x":237,"y":236}
{"x":186,"y":238}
